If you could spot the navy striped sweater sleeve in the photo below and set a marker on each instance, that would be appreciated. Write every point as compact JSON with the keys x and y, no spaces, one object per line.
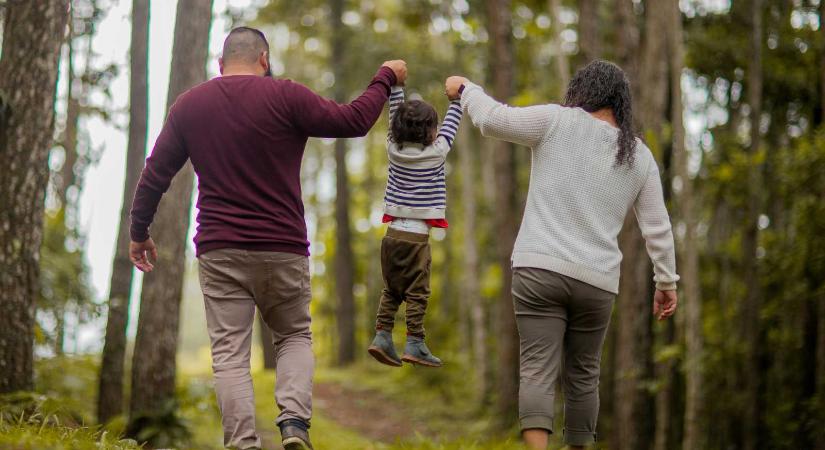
{"x":396,"y":99}
{"x":449,"y":127}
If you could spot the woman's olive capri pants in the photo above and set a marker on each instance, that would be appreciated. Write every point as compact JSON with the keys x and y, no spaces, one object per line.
{"x":560,"y":319}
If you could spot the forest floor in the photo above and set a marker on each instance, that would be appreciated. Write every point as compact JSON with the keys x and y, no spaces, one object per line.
{"x":364,"y":407}
{"x":350,"y":413}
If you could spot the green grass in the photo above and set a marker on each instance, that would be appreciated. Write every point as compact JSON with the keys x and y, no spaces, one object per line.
{"x":32,"y":436}
{"x":59,"y":415}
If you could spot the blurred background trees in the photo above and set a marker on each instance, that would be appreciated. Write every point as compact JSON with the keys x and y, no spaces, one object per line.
{"x":729,"y":96}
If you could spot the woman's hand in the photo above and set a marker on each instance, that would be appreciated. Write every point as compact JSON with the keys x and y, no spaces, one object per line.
{"x":664,"y":304}
{"x":452,"y":85}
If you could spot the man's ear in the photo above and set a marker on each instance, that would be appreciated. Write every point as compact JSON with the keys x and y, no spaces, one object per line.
{"x":263,"y":60}
{"x":220,"y":65}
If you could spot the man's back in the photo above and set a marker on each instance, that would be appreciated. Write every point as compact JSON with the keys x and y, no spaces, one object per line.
{"x":245,"y":136}
{"x":247,"y":154}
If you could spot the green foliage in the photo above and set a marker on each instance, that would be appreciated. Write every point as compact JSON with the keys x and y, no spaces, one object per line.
{"x":64,"y":283}
{"x":160,"y":429}
{"x":38,"y":422}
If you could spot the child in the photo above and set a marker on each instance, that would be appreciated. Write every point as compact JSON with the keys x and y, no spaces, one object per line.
{"x":414,"y":201}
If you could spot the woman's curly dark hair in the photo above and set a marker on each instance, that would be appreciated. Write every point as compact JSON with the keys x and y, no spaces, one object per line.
{"x":415,"y":121}
{"x":599,"y":85}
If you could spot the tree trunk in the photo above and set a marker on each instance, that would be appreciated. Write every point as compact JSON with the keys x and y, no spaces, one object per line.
{"x":822,"y":61}
{"x":344,"y":274}
{"x":32,"y":37}
{"x":153,"y":363}
{"x":689,"y":251}
{"x":67,"y":174}
{"x":562,"y":64}
{"x":631,"y":307}
{"x":110,"y":388}
{"x":59,"y":329}
{"x":750,"y":276}
{"x":633,"y":312}
{"x":819,"y":437}
{"x":501,"y":62}
{"x":627,"y":42}
{"x":470,"y":290}
{"x":820,"y":345}
{"x":589,"y":39}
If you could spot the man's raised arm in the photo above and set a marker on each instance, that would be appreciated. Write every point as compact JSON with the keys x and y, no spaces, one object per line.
{"x":316,"y":116}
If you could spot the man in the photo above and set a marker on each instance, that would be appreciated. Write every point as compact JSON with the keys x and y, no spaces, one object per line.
{"x":245,"y":134}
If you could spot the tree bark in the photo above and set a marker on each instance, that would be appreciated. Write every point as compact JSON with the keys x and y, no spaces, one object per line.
{"x":750,"y":314}
{"x":110,"y":388}
{"x":344,"y":262}
{"x":32,"y":37}
{"x":820,"y":302}
{"x":153,"y":363}
{"x":470,"y":291}
{"x":501,"y":62}
{"x":589,"y":39}
{"x":67,"y":174}
{"x":822,"y":61}
{"x":689,"y":251}
{"x":633,"y":312}
{"x":562,"y":63}
{"x":627,"y":42}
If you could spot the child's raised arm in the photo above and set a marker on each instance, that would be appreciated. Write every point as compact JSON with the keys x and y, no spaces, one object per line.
{"x":396,"y":99}
{"x":449,"y":127}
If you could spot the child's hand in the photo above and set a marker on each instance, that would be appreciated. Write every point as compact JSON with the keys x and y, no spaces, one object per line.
{"x":399,"y":66}
{"x":452,"y":85}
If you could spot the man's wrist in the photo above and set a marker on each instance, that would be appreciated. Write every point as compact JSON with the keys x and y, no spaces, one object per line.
{"x":393,"y":79}
{"x":138,"y":236}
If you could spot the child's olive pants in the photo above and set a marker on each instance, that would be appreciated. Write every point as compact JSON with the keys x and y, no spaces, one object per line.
{"x":562,"y":323}
{"x":405,"y":266}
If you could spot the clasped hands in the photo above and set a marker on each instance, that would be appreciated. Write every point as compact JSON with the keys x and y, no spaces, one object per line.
{"x":451,"y":86}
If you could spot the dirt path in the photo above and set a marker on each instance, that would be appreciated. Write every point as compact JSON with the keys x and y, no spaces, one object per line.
{"x":368,"y":412}
{"x":364,"y":411}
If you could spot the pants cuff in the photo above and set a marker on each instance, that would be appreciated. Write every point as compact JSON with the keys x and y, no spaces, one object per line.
{"x":381,"y":326}
{"x":542,"y":422}
{"x":579,"y":437}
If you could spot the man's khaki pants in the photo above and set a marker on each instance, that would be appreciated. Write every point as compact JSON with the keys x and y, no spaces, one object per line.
{"x":234,"y":282}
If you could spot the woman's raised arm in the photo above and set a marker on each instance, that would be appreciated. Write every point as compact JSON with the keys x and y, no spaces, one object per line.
{"x":525,"y":126}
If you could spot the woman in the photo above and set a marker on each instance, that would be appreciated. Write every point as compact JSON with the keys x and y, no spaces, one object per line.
{"x":588,"y":171}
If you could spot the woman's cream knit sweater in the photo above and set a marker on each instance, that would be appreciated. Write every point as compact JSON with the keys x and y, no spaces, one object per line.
{"x":578,"y":196}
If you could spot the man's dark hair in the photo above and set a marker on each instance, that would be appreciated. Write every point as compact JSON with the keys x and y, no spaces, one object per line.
{"x":414,"y":122}
{"x":599,"y":85}
{"x":244,"y":45}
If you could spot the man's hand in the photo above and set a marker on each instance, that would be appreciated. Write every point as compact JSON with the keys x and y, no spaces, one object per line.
{"x":400,"y":68}
{"x":452,"y":85}
{"x":141,"y":252}
{"x":664,"y":304}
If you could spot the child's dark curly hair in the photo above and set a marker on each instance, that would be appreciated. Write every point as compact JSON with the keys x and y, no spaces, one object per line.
{"x":415,"y":121}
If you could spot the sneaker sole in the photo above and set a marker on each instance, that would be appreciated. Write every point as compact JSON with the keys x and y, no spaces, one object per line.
{"x":383,"y":357}
{"x":295,"y":443}
{"x":415,"y":361}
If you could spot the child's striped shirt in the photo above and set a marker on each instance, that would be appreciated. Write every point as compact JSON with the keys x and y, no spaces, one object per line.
{"x":416,"y":185}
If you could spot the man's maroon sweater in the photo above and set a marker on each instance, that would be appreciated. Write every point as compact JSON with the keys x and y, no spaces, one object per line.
{"x":246,"y":135}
